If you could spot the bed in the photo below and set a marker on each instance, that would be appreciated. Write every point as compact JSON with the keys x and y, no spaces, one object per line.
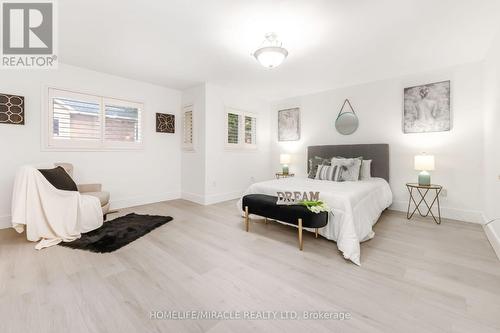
{"x":355,"y":206}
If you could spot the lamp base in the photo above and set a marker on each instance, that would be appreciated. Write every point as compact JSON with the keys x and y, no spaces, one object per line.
{"x":424,"y":178}
{"x":285,"y":169}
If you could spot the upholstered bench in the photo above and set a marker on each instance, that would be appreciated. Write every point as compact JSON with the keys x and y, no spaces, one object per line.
{"x":265,"y":206}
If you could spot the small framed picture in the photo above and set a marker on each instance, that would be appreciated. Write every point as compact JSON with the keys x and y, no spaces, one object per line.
{"x":165,"y":123}
{"x":11,"y":109}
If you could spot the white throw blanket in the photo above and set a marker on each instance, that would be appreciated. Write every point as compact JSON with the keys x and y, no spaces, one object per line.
{"x":50,"y":215}
{"x":355,"y":207}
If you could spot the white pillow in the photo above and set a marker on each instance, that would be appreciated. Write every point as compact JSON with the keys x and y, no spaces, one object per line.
{"x":366,"y":169}
{"x":353,"y":165}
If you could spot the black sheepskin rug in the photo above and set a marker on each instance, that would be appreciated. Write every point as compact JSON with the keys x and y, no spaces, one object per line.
{"x":117,"y":233}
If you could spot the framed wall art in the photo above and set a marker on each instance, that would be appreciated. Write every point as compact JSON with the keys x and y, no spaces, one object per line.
{"x":11,"y":109}
{"x":289,"y":124}
{"x":427,"y":108}
{"x":165,"y":123}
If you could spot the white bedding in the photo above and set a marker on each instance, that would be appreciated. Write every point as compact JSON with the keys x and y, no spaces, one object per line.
{"x":356,"y":207}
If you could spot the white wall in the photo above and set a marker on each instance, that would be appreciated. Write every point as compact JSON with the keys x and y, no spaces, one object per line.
{"x":193,"y":161}
{"x":132,"y":177}
{"x":491,"y":85}
{"x":212,"y":173}
{"x":379,"y":107}
{"x":229,"y":172}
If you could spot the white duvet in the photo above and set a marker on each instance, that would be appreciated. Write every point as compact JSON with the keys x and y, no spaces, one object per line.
{"x":355,"y":207}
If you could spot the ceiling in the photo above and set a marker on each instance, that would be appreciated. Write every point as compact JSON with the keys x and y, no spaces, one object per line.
{"x":331,"y":43}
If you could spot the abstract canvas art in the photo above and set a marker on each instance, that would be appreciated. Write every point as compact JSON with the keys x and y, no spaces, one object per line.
{"x":165,"y":123}
{"x":289,"y":124}
{"x":11,"y":109}
{"x":427,"y":108}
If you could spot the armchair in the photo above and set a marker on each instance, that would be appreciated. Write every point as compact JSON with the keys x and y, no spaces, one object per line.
{"x":94,"y":190}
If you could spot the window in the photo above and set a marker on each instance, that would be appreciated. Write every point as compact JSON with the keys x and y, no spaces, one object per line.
{"x":232,"y":128}
{"x":241,"y":129}
{"x":81,"y":121}
{"x":187,"y":127}
{"x":250,"y":127}
{"x":121,"y":123}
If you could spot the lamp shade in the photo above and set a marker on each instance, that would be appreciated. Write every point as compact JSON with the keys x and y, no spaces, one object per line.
{"x":424,"y":162}
{"x":285,"y":159}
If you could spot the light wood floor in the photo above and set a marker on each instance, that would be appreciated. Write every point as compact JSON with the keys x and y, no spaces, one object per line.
{"x":415,"y":277}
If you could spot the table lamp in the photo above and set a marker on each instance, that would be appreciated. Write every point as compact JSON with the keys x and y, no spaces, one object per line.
{"x":285,"y":159}
{"x":424,"y":163}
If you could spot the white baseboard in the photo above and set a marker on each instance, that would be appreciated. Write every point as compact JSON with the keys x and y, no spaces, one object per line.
{"x":493,"y":237}
{"x":143,"y":200}
{"x":492,"y":234}
{"x":5,"y":222}
{"x":220,"y":197}
{"x":470,"y":216}
{"x":197,"y":198}
{"x":210,"y":199}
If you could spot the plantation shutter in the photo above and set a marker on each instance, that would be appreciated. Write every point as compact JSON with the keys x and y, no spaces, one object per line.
{"x":233,"y":124}
{"x":122,"y":121}
{"x":250,"y":130}
{"x":188,"y":127}
{"x":75,"y":117}
{"x":92,"y":122}
{"x":241,"y":129}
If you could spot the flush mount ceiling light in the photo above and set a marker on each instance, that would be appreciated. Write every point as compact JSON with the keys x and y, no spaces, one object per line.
{"x":271,"y":54}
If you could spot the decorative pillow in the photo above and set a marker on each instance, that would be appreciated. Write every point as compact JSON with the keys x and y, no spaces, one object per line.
{"x":59,"y":178}
{"x":328,"y":172}
{"x":352,"y":165}
{"x":314,"y":163}
{"x":366,"y":169}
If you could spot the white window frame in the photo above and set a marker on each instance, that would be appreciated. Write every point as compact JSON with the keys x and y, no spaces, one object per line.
{"x":188,"y":146}
{"x":51,"y":144}
{"x":241,"y":145}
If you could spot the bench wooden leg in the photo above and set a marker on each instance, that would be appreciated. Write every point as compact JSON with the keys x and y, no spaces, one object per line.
{"x":247,"y":222}
{"x":300,"y":234}
{"x":316,"y":233}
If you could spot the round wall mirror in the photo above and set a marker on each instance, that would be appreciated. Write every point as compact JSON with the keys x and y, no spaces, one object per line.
{"x":347,"y":123}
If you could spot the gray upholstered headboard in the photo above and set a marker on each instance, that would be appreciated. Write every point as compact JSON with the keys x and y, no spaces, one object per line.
{"x":378,"y":153}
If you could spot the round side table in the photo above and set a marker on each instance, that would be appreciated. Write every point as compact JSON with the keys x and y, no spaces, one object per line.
{"x":433,"y":190}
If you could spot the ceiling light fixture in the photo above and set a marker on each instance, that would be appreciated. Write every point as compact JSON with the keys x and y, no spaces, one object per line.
{"x":271,"y":54}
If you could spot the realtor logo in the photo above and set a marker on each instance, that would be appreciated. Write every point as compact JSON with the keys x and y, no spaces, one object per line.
{"x":28,"y":35}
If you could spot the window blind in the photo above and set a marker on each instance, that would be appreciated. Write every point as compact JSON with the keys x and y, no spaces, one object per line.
{"x":87,"y":121}
{"x":122,"y":123}
{"x":250,"y":130}
{"x":233,"y":128}
{"x":241,"y":129}
{"x":188,"y":127}
{"x":75,"y":119}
